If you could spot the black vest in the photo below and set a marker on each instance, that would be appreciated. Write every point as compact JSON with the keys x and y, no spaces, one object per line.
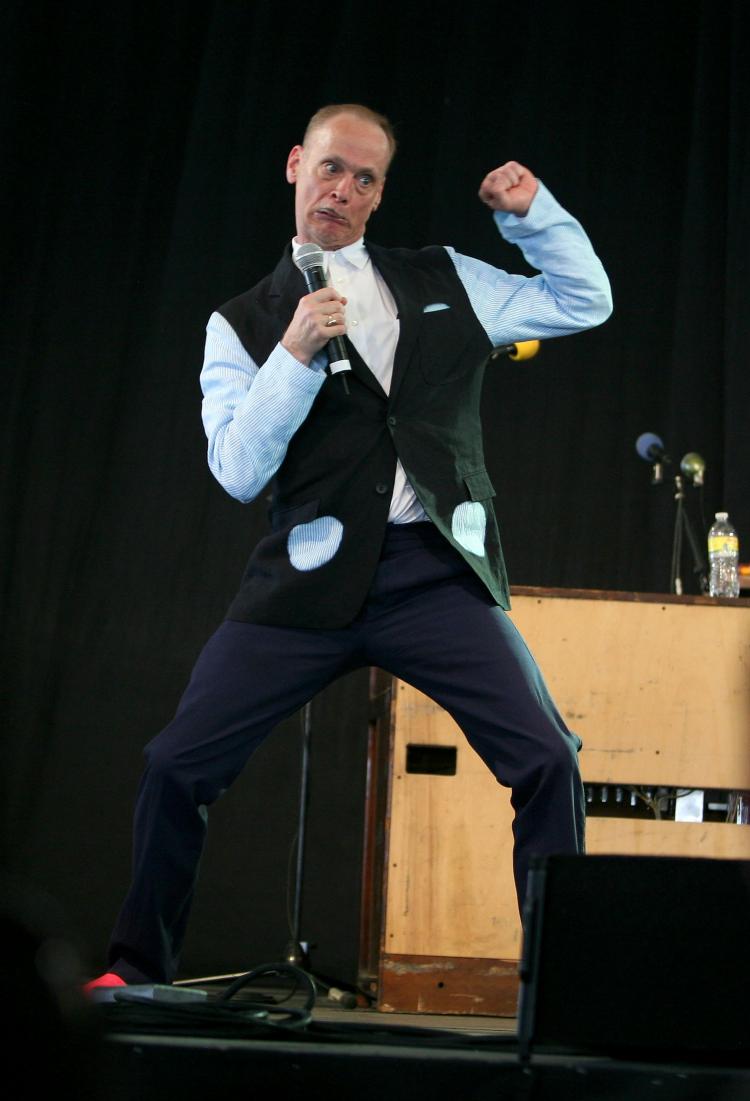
{"x":341,"y":461}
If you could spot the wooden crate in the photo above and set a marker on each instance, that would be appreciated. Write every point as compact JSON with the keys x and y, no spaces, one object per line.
{"x":659,"y":690}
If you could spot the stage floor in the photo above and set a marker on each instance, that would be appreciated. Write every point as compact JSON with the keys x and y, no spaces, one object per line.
{"x":201,"y":1049}
{"x":326,"y":1014}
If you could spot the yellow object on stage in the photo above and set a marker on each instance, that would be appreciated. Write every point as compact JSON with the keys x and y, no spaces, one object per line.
{"x":524,"y":349}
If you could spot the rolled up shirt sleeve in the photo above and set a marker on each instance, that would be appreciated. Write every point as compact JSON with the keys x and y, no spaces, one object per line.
{"x":571,"y":294}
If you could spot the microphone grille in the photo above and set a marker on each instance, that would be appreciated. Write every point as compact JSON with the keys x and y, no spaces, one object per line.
{"x":649,"y":446}
{"x":308,"y":256}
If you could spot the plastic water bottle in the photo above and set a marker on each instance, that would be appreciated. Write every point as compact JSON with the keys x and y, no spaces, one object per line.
{"x":723,"y":557}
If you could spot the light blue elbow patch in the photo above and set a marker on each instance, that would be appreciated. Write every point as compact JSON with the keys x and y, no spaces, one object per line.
{"x":468,"y":525}
{"x":312,"y":545}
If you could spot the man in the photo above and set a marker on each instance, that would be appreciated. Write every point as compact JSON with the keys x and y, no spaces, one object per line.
{"x":384,"y":547}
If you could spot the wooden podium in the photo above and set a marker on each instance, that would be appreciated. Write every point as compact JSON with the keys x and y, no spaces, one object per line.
{"x":658,"y":688}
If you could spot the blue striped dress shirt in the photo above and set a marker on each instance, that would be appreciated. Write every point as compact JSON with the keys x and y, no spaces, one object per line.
{"x":251,"y":411}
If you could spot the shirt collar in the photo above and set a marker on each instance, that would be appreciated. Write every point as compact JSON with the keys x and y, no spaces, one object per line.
{"x":355,"y":254}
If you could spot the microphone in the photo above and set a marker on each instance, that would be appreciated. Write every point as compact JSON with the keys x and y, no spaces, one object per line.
{"x":651,"y":448}
{"x":309,"y":260}
{"x":522,"y":349}
{"x":693,"y":466}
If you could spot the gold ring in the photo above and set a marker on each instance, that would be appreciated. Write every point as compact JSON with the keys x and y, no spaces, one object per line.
{"x":331,"y":320}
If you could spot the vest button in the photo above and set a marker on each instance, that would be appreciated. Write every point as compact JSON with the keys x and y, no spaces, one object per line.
{"x":391,"y":422}
{"x":381,"y":487}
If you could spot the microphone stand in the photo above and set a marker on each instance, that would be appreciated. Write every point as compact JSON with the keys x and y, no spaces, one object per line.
{"x":297,"y":950}
{"x":682,"y":525}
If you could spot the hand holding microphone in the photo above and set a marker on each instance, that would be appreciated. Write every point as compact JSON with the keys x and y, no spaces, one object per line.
{"x":319,"y":319}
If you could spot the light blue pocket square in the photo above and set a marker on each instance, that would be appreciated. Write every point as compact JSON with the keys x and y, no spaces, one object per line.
{"x":435,"y":306}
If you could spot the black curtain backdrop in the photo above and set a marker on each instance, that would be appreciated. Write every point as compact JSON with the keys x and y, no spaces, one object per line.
{"x":143,"y":185}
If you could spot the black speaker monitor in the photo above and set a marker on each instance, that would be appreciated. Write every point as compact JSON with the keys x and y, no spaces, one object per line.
{"x":637,"y":956}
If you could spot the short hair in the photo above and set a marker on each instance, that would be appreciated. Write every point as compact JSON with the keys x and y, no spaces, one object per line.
{"x":325,"y":114}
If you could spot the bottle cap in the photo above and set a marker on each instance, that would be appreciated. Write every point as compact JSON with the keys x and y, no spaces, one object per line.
{"x":722,"y":515}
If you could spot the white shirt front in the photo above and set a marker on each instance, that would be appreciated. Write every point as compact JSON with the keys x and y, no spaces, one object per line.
{"x":372,"y":326}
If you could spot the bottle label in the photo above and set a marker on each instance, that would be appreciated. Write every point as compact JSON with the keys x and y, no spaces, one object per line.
{"x":723,"y":544}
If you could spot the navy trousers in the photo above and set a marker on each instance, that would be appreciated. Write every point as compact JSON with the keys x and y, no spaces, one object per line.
{"x":427,"y":620}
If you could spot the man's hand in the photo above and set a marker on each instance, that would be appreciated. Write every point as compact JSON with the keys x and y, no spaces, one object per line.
{"x":318,"y":317}
{"x":510,"y":188}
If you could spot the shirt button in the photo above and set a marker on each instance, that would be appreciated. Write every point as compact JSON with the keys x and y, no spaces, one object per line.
{"x":381,"y":488}
{"x":391,"y":421}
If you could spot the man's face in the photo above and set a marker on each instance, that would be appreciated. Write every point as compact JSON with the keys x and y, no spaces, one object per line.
{"x":339,"y":175}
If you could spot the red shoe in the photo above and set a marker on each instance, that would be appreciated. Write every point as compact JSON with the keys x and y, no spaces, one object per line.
{"x":107,"y":980}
